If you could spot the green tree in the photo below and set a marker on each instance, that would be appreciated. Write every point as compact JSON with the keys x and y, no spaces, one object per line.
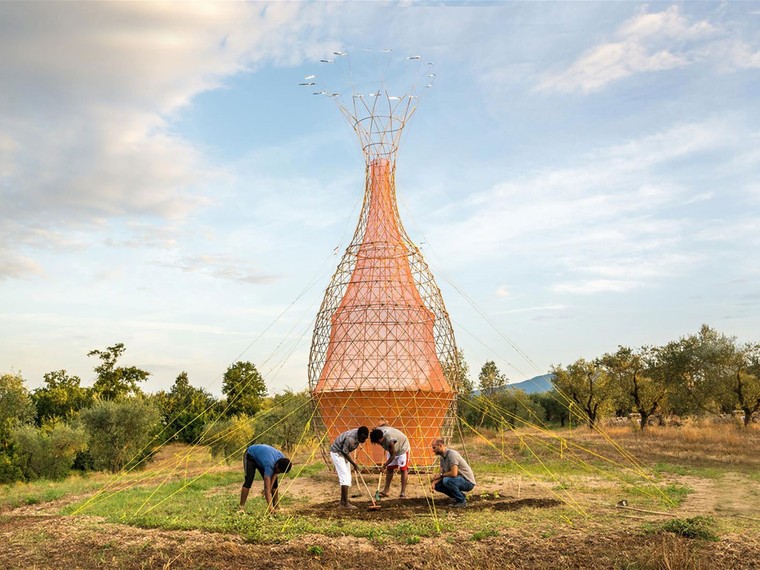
{"x":555,"y":406}
{"x":741,"y":383}
{"x":515,"y":407}
{"x":47,"y":452}
{"x":457,"y":372}
{"x":694,"y":368}
{"x":629,"y":371}
{"x":284,"y":419}
{"x":121,"y":433}
{"x":185,"y":410}
{"x":244,"y":388}
{"x":229,"y":438}
{"x":62,"y":396}
{"x":584,"y":384}
{"x":114,"y":381}
{"x":490,"y":380}
{"x":16,"y":407}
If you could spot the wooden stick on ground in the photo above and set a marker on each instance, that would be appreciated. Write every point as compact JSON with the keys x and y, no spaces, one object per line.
{"x":645,"y":511}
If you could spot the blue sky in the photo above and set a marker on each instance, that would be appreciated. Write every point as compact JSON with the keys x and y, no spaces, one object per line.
{"x":582,"y":175}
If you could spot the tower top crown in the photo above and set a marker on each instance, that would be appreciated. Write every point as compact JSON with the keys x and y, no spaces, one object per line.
{"x":380,"y":98}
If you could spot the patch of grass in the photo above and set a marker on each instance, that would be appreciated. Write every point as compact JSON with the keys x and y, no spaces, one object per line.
{"x":677,"y":493}
{"x":670,"y":495}
{"x":663,"y":468}
{"x":695,"y":527}
{"x":308,"y":470}
{"x":38,"y":492}
{"x":484,"y":533}
{"x":414,"y":539}
{"x":315,"y":550}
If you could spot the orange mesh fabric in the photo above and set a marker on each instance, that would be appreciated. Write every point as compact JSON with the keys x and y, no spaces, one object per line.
{"x":381,"y":361}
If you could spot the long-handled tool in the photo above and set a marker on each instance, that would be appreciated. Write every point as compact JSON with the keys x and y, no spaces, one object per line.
{"x":379,"y":481}
{"x":374,"y":506}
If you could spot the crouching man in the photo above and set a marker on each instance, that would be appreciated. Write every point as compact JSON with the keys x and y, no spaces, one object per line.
{"x":456,"y":477}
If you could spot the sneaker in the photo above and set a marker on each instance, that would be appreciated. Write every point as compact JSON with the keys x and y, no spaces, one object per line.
{"x":459,"y":505}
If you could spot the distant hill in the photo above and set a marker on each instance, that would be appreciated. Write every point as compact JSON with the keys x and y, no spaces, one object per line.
{"x":534,"y":385}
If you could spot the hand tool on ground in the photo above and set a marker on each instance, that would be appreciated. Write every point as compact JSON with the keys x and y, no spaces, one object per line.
{"x":374,"y":506}
{"x":379,"y":481}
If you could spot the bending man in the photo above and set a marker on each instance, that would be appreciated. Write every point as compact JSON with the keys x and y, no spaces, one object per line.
{"x":396,"y":447}
{"x":340,"y":453}
{"x":456,"y":477}
{"x":269,"y":462}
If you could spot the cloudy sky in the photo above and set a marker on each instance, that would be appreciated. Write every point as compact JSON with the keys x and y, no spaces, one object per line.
{"x":581,"y":175}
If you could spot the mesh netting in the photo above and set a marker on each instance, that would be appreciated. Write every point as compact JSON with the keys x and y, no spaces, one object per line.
{"x":383,"y":338}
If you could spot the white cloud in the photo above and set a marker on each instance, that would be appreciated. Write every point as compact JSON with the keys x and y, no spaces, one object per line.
{"x":18,"y":267}
{"x":595,"y":286}
{"x":540,"y":308}
{"x":648,"y":42}
{"x":88,"y":93}
{"x":624,"y":218}
{"x":222,"y":267}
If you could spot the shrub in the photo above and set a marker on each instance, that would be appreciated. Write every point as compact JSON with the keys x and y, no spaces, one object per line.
{"x":694,"y":527}
{"x":121,"y":433}
{"x":284,"y":420}
{"x":16,"y":406}
{"x":229,"y":438}
{"x":47,"y":452}
{"x":9,"y":471}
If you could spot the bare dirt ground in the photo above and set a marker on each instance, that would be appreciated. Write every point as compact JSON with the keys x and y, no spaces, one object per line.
{"x":44,"y":541}
{"x":35,"y":536}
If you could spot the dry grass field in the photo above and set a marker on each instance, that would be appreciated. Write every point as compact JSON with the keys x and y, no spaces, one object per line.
{"x":543,"y":501}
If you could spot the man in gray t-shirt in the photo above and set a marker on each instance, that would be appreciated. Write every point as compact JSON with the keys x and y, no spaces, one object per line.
{"x":456,"y":477}
{"x":396,"y":446}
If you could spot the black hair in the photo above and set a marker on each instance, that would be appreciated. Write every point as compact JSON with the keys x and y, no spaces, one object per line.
{"x":376,"y":435}
{"x":283,"y":465}
{"x":363,"y":433}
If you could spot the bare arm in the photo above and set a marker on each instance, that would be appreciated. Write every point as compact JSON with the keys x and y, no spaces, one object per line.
{"x":350,"y":460}
{"x":243,"y":497}
{"x":391,"y":453}
{"x":453,"y":472}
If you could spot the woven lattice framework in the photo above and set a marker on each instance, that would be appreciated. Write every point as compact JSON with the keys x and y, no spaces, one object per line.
{"x":383,"y":348}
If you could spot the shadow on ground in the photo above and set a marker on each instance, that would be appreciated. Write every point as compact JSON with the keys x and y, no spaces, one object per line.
{"x":420,"y":506}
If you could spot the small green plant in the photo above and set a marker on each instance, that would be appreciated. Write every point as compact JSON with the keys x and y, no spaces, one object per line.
{"x":315,"y":550}
{"x":677,"y":493}
{"x":484,"y":533}
{"x":693,"y":527}
{"x":414,"y":539}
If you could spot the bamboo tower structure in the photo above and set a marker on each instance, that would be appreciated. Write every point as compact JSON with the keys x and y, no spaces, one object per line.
{"x":383,"y":348}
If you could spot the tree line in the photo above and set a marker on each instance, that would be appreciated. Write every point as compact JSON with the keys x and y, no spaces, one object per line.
{"x":114,"y":425}
{"x":706,"y":373}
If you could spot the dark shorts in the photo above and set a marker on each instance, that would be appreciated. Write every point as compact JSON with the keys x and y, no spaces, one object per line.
{"x":249,"y":468}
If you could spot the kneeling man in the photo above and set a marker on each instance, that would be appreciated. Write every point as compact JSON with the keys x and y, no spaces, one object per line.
{"x":456,"y":477}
